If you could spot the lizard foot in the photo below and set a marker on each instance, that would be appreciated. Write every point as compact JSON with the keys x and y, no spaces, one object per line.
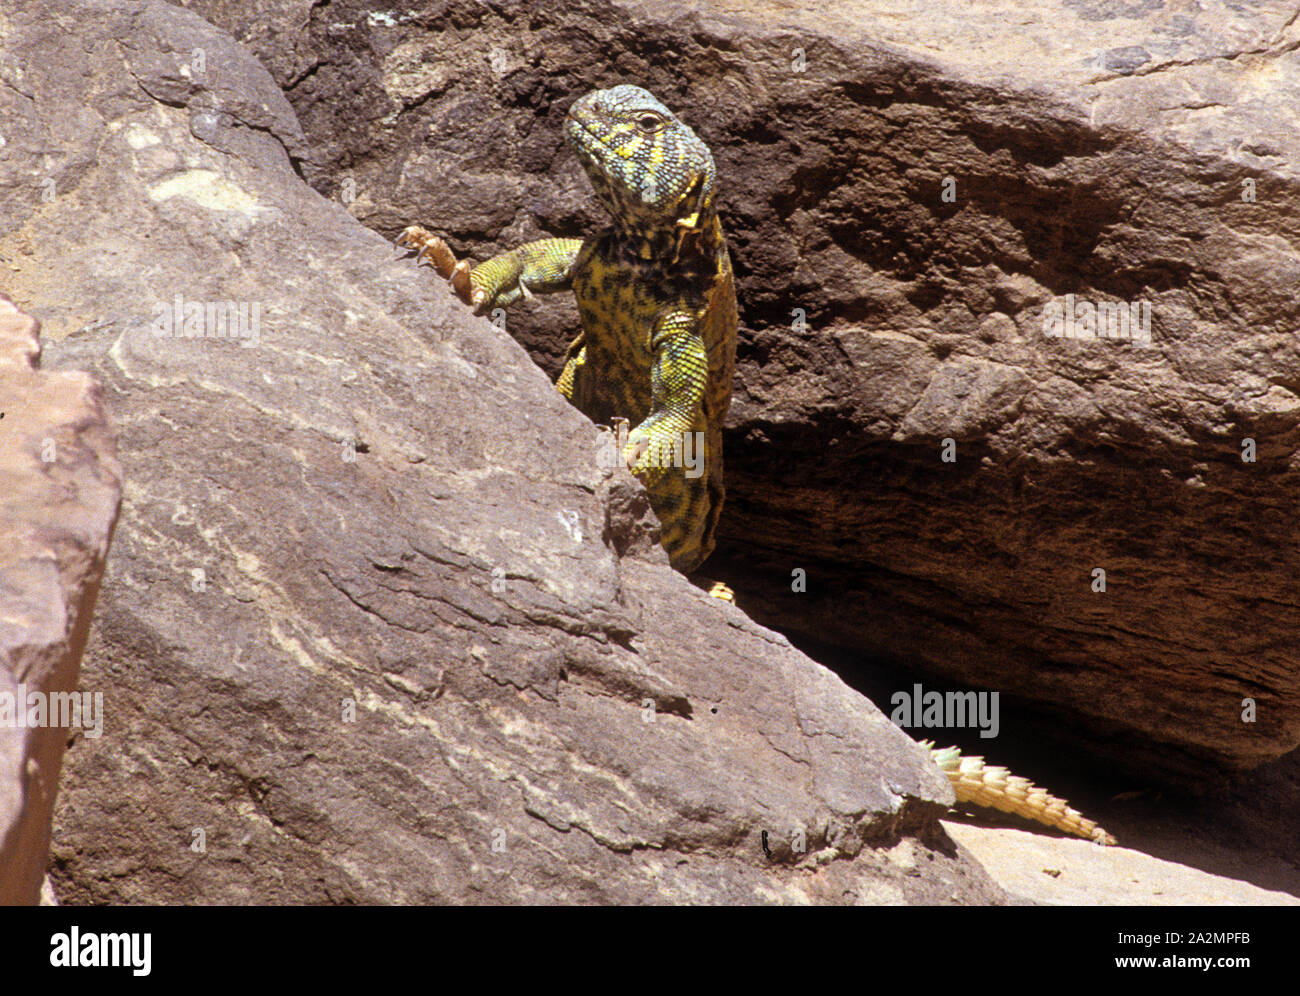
{"x":716,"y":589}
{"x":636,"y":444}
{"x":434,"y":251}
{"x":720,"y":589}
{"x":650,"y":455}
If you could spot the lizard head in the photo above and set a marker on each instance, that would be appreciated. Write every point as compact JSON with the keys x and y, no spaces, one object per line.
{"x":650,"y":170}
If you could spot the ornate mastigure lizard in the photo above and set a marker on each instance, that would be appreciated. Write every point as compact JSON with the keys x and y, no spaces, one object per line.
{"x":657,"y":301}
{"x":658,"y":344}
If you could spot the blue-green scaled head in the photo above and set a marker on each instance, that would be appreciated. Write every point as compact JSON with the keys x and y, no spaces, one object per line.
{"x":650,"y":170}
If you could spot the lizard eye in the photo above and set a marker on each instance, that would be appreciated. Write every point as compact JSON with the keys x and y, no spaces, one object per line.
{"x":648,"y":121}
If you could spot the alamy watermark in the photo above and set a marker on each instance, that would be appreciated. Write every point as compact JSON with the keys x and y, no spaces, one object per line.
{"x":22,"y":709}
{"x":681,"y":449}
{"x":919,"y":709}
{"x":1071,"y":318}
{"x":91,"y":949}
{"x":181,"y":319}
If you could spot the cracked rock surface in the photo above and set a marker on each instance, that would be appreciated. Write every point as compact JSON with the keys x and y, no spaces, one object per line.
{"x":364,"y":637}
{"x":1121,"y":152}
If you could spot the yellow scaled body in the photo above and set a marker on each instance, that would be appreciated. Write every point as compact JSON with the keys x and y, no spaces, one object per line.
{"x":657,"y":301}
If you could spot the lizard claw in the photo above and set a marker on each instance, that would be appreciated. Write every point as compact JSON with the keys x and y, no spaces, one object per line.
{"x":434,"y":251}
{"x":635,"y":449}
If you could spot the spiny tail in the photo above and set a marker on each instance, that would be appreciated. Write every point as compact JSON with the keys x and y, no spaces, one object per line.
{"x":989,"y":785}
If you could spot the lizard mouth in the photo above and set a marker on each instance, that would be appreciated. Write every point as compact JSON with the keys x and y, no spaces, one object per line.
{"x":575,"y":119}
{"x":585,"y":137}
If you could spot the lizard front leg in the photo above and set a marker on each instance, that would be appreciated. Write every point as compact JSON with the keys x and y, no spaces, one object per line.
{"x":540,"y":267}
{"x":678,"y":378}
{"x":669,"y":450}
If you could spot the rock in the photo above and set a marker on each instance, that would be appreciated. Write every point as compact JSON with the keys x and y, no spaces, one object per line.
{"x":366,"y":636}
{"x":1065,"y":872}
{"x":59,"y":493}
{"x":1121,"y":153}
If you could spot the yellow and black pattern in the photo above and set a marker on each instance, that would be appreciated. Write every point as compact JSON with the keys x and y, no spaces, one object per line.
{"x":657,"y":301}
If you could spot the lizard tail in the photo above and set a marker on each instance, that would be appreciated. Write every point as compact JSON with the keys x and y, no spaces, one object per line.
{"x":989,"y":785}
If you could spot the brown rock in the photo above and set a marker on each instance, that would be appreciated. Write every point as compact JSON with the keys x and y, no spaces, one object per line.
{"x":59,"y":492}
{"x":366,"y":635}
{"x":1121,"y":153}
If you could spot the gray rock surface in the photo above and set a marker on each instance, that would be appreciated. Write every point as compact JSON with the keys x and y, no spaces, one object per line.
{"x":492,"y":600}
{"x":1134,"y":153}
{"x":59,"y":494}
{"x":364,"y":636}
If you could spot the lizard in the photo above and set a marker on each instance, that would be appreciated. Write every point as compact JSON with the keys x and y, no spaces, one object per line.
{"x":657,"y":300}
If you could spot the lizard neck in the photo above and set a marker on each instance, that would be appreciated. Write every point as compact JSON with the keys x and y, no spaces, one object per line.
{"x":672,"y":244}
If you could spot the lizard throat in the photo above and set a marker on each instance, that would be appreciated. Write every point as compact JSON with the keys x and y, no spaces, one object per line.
{"x":673,"y":243}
